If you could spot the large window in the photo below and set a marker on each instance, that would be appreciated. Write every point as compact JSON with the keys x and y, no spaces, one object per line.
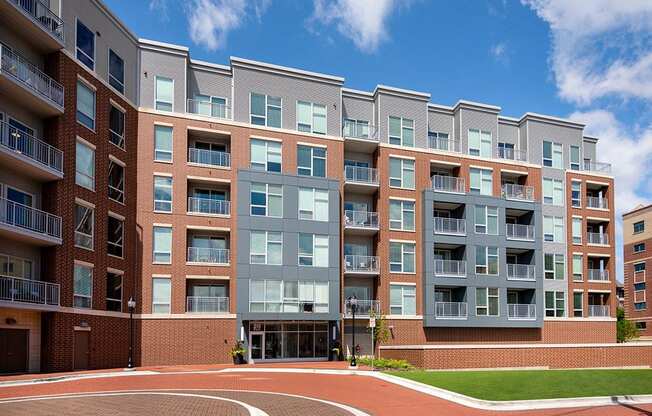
{"x":486,"y":301}
{"x":311,"y":117}
{"x":114,"y":291}
{"x":479,"y":143}
{"x":577,"y":304}
{"x":401,"y":257}
{"x":85,"y":165}
{"x":577,"y":230}
{"x":117,"y":127}
{"x":266,"y":247}
{"x":401,"y":131}
{"x":161,"y":295}
{"x":288,"y":296}
{"x":83,"y":286}
{"x":162,"y":194}
{"x":555,"y":304}
{"x":402,"y":299}
{"x":553,"y":155}
{"x":116,"y":181}
{"x":116,"y":71}
{"x":85,"y":105}
{"x":163,"y":143}
{"x":575,"y":158}
{"x":639,"y":247}
{"x":553,"y":229}
{"x":16,"y":267}
{"x":481,"y":181}
{"x":577,"y":267}
{"x":576,"y":194}
{"x":401,"y":173}
{"x":265,"y":110}
{"x":311,"y":161}
{"x":554,"y":266}
{"x":486,"y":260}
{"x":85,"y":45}
{"x":639,"y":227}
{"x":401,"y":215}
{"x":313,"y":204}
{"x":313,"y":250}
{"x":553,"y":191}
{"x":115,"y":237}
{"x":267,"y":200}
{"x":486,"y":220}
{"x":265,"y":155}
{"x":162,"y":250}
{"x":164,"y":94}
{"x":84,"y":226}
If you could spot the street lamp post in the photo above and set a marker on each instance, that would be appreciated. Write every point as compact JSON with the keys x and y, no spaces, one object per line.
{"x":131,"y":303}
{"x":353,"y":303}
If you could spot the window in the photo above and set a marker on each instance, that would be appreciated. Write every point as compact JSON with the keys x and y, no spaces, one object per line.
{"x":265,"y":155}
{"x":577,"y":304}
{"x":311,"y":161}
{"x":16,"y":267}
{"x":639,"y":286}
{"x":288,"y":296}
{"x":639,"y":267}
{"x":85,"y":105}
{"x":265,"y":110}
{"x":479,"y":143}
{"x":84,"y":226}
{"x":553,"y":229}
{"x":313,"y":250}
{"x":639,"y":227}
{"x":401,"y":257}
{"x":401,"y":131}
{"x":164,"y":94}
{"x":555,"y":304}
{"x":638,"y":248}
{"x":208,"y":105}
{"x":438,"y":140}
{"x":114,"y":292}
{"x":163,"y":245}
{"x":553,"y":191}
{"x":85,"y":45}
{"x":115,"y":238}
{"x":553,"y":266}
{"x":577,"y":231}
{"x":162,"y":194}
{"x":577,"y":267}
{"x":486,"y":220}
{"x":576,"y":194}
{"x":311,"y":118}
{"x":486,"y":301}
{"x":401,"y":215}
{"x":116,"y":181}
{"x":486,"y":260}
{"x":116,"y":72}
{"x":267,"y":200}
{"x":575,"y":158}
{"x":481,"y":181}
{"x":402,"y":299}
{"x":163,"y":143}
{"x":553,"y":155}
{"x":641,"y":325}
{"x":266,"y":247}
{"x":83,"y":286}
{"x":161,"y":295}
{"x":356,"y":128}
{"x":640,"y":306}
{"x":85,"y":165}
{"x":401,"y":173}
{"x":313,"y":204}
{"x":117,"y":127}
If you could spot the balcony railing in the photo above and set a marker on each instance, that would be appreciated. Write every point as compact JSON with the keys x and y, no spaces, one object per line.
{"x":206,"y":108}
{"x":521,"y":311}
{"x":31,"y":147}
{"x":359,"y":174}
{"x":360,"y":219}
{"x":447,"y":145}
{"x":598,"y":275}
{"x":511,"y":154}
{"x":361,"y":264}
{"x":357,"y":130}
{"x":209,"y":157}
{"x":443,"y":183}
{"x":451,"y":310}
{"x":208,"y":255}
{"x":15,"y":289}
{"x":595,"y":202}
{"x":30,"y":76}
{"x":521,"y":272}
{"x":597,"y":238}
{"x":518,"y":192}
{"x":43,"y":16}
{"x":363,"y":308}
{"x":598,"y":310}
{"x":32,"y":219}
{"x":209,"y":206}
{"x":450,"y":268}
{"x":443,"y":225}
{"x":598,"y":167}
{"x":519,"y":232}
{"x":207,"y":304}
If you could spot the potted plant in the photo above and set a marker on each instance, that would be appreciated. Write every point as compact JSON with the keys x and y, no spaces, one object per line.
{"x":238,"y":353}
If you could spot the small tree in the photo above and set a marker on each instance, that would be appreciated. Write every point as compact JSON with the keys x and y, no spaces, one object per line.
{"x":381,"y":331}
{"x":625,"y":330}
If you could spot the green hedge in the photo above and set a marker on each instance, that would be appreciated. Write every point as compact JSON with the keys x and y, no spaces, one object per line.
{"x":385,"y":363}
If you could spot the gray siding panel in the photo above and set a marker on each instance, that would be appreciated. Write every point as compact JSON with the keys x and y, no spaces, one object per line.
{"x":155,"y":63}
{"x":208,"y":83}
{"x":358,"y":109}
{"x":442,"y":123}
{"x":391,"y":105}
{"x":539,"y":131}
{"x":475,"y":119}
{"x":508,"y":133}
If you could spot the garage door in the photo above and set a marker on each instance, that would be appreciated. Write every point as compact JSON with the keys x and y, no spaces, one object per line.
{"x":14,"y":345}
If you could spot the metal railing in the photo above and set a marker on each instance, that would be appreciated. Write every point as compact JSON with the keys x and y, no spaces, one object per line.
{"x":360,"y":219}
{"x":595,"y":202}
{"x":31,"y":147}
{"x":597,"y":238}
{"x":208,"y":255}
{"x":521,"y":272}
{"x":443,"y":225}
{"x":361,"y":174}
{"x":356,"y":130}
{"x":450,"y":268}
{"x":361,"y":264}
{"x":519,"y":232}
{"x":16,"y":289}
{"x":206,"y":108}
{"x":451,"y":310}
{"x":511,"y":154}
{"x":599,"y":310}
{"x":30,"y":76}
{"x":207,"y":304}
{"x":448,"y":184}
{"x":598,"y":275}
{"x":445,"y":144}
{"x":32,"y":219}
{"x":209,"y":157}
{"x":598,"y":167}
{"x":518,"y":192}
{"x":521,"y":311}
{"x":42,"y":14}
{"x":363,"y":308}
{"x":209,"y":206}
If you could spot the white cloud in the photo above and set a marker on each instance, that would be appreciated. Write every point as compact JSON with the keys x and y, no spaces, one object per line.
{"x":160,"y":7}
{"x":499,"y":52}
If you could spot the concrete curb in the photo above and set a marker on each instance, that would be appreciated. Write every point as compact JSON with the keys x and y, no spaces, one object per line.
{"x":70,"y":377}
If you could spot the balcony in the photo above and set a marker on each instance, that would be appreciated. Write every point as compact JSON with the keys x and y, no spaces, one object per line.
{"x":444,"y":144}
{"x":354,"y":264}
{"x":357,"y":130}
{"x":207,"y":304}
{"x":518,"y":192}
{"x":521,"y":311}
{"x":597,"y":238}
{"x":208,"y":206}
{"x":452,"y":184}
{"x":207,"y":255}
{"x":596,"y":203}
{"x":510,"y":154}
{"x":519,"y":232}
{"x":523,"y":272}
{"x":29,"y":224}
{"x":599,"y":311}
{"x":361,"y":222}
{"x":451,"y":310}
{"x":209,"y":158}
{"x":25,"y":291}
{"x":29,"y":154}
{"x":364,"y":308}
{"x":35,"y":22}
{"x":597,"y":167}
{"x":450,"y":268}
{"x":209,"y":109}
{"x":24,"y":82}
{"x":597,"y":275}
{"x":450,"y":226}
{"x":361,"y":179}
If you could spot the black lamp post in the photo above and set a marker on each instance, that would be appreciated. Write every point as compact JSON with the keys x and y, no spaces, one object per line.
{"x":353,"y":303}
{"x":131,"y":303}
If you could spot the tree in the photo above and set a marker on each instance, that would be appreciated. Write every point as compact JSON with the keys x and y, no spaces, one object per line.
{"x":381,"y":331}
{"x":625,"y":330}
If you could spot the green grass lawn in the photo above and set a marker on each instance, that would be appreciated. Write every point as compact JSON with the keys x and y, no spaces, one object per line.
{"x":537,"y":384}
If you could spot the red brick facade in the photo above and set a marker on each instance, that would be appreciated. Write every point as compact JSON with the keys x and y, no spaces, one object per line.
{"x":636,"y":308}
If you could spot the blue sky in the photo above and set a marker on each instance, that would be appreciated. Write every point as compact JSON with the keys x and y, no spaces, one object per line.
{"x":587,"y":60}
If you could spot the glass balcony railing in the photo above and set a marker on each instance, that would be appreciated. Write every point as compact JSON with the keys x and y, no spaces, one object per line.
{"x":597,"y":238}
{"x":361,"y":264}
{"x":521,"y":311}
{"x":444,"y":144}
{"x":209,"y":157}
{"x":359,"y":130}
{"x":360,"y":174}
{"x":595,"y":202}
{"x":519,"y":232}
{"x":360,"y":219}
{"x":450,"y":268}
{"x":598,"y":167}
{"x":510,"y":154}
{"x":207,"y":304}
{"x":521,"y":272}
{"x":598,"y":275}
{"x":452,"y":184}
{"x":209,"y":206}
{"x":518,"y":192}
{"x":599,"y":310}
{"x":209,"y":109}
{"x":451,"y":310}
{"x":455,"y":226}
{"x":362,"y":308}
{"x":208,"y":255}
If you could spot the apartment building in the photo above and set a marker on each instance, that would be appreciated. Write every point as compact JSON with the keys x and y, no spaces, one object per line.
{"x":247,"y":202}
{"x":636,"y":236}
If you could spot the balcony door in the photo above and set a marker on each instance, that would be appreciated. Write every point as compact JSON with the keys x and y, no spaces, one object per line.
{"x":360,"y":292}
{"x":442,"y":254}
{"x":207,"y":291}
{"x":211,"y":194}
{"x":443,"y":295}
{"x":214,"y":147}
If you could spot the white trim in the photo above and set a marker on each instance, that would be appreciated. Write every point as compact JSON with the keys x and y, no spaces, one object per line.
{"x":169,"y":175}
{"x":398,"y":198}
{"x":481,"y":167}
{"x":158,"y":224}
{"x":402,"y":157}
{"x":86,"y":143}
{"x":597,"y":182}
{"x":160,"y":123}
{"x":516,"y":172}
{"x":207,"y":130}
{"x":207,"y":228}
{"x":84,"y":203}
{"x":403,"y":283}
{"x":442,"y":162}
{"x":115,"y":271}
{"x":312,"y":145}
{"x":392,"y":240}
{"x":118,"y":161}
{"x":84,"y":263}
{"x":206,"y":277}
{"x":207,"y":179}
{"x":162,"y":276}
{"x":81,"y":328}
{"x":269,"y":139}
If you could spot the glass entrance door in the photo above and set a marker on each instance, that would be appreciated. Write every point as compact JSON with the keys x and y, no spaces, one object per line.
{"x":256,"y":344}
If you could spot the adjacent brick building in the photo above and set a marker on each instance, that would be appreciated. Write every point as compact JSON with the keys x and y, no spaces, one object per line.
{"x":636,"y":239}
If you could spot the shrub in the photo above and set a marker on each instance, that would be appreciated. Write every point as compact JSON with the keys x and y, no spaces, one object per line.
{"x":385,"y":363}
{"x":625,"y":330}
